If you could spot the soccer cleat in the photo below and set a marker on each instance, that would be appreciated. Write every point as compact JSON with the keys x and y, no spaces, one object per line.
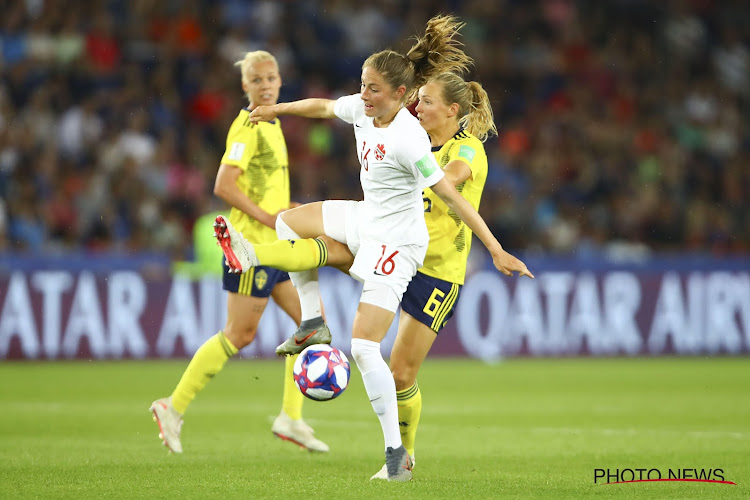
{"x":310,"y":331}
{"x":383,"y":472}
{"x":170,"y":423}
{"x":398,"y":463}
{"x":239,"y":253}
{"x":297,"y":432}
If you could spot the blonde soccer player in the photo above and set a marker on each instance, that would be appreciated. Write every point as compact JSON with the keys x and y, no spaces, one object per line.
{"x":254,"y":179}
{"x":385,"y":232}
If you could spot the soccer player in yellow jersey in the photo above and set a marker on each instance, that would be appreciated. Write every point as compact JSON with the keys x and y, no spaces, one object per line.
{"x":457,"y":116}
{"x":254,"y":179}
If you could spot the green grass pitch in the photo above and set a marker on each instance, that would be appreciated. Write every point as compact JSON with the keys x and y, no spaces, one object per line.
{"x":517,"y":429}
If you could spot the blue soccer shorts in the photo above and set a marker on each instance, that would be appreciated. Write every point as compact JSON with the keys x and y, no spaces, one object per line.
{"x":430,"y":301}
{"x":257,"y":281}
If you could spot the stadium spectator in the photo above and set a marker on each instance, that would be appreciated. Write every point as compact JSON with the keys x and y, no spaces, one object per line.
{"x":598,"y":104}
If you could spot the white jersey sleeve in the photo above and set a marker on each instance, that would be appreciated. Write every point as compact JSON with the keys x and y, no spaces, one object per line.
{"x":347,"y":107}
{"x":418,"y":156}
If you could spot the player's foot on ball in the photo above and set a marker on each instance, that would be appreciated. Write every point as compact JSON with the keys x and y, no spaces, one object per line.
{"x":311,"y":331}
{"x":398,"y":463}
{"x":170,"y":423}
{"x":383,"y":472}
{"x":238,"y":252}
{"x":297,"y":432}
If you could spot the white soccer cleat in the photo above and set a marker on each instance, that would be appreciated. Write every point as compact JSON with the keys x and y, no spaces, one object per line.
{"x":297,"y":432}
{"x":383,"y":473}
{"x":239,"y":253}
{"x":170,"y":423}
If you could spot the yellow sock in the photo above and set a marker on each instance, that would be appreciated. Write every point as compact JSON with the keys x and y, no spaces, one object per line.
{"x":293,"y":255}
{"x":292,"y":402}
{"x":209,"y":359}
{"x":409,"y":410}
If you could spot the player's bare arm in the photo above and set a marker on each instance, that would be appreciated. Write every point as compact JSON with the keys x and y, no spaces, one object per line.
{"x":226,"y":188}
{"x":456,"y":172}
{"x":307,"y":108}
{"x":504,"y":262}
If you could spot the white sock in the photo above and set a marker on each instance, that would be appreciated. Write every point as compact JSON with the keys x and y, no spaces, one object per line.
{"x":306,"y":282}
{"x":309,"y":294}
{"x":380,"y":387}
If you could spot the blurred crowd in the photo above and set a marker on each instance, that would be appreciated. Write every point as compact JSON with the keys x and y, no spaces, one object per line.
{"x":623,"y":123}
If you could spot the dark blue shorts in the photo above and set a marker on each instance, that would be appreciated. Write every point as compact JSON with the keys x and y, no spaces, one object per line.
{"x":430,"y":300}
{"x":256,"y":282}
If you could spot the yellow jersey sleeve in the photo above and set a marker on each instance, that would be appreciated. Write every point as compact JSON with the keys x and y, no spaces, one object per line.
{"x":242,"y":141}
{"x":259,"y":150}
{"x":450,"y":238}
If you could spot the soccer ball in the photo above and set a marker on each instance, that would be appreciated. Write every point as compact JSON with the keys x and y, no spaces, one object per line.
{"x":321,"y":372}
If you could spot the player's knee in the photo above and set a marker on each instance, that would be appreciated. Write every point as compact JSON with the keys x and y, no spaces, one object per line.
{"x":358,"y":353}
{"x":403,"y":374}
{"x":364,"y":350}
{"x":240,"y":336}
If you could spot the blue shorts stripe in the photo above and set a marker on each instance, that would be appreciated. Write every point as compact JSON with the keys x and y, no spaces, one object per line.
{"x":445,"y":307}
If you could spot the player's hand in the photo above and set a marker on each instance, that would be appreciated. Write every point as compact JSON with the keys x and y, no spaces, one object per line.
{"x":262,"y":114}
{"x":507,"y":264}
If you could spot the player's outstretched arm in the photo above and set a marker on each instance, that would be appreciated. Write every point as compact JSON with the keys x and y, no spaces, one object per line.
{"x":504,"y":262}
{"x":307,"y":108}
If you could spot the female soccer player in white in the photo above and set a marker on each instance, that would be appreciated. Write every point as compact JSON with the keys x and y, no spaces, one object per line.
{"x":386,"y":232}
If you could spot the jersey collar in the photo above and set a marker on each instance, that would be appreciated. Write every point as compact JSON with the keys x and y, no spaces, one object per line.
{"x":456,"y":136}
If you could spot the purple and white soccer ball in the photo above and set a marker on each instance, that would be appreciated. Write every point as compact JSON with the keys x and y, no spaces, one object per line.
{"x":321,"y":372}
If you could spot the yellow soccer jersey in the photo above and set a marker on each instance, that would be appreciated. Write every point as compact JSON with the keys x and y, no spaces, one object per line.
{"x":450,"y":238}
{"x":259,"y":150}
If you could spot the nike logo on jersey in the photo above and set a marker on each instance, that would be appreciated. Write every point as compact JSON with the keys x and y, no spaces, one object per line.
{"x":304,"y":339}
{"x":379,"y":274}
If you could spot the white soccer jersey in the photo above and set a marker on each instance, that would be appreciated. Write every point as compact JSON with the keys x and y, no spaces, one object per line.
{"x":396,"y":164}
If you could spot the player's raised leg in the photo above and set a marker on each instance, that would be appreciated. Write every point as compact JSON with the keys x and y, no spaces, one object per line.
{"x":286,"y":255}
{"x":329,"y":217}
{"x":306,"y":220}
